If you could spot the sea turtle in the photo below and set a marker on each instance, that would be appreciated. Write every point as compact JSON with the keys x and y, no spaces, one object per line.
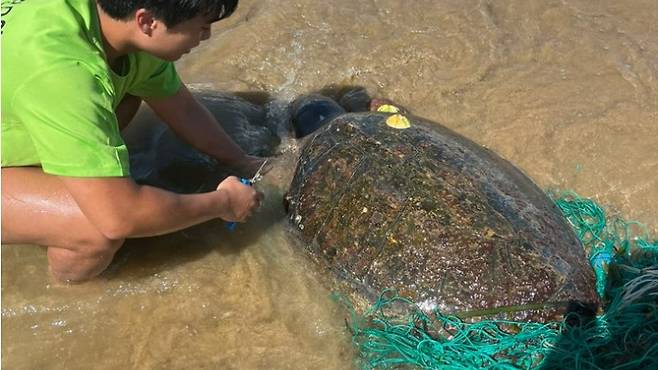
{"x":444,"y":221}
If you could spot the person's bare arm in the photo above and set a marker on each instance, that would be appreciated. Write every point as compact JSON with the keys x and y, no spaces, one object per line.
{"x":120,"y":208}
{"x":193,"y":123}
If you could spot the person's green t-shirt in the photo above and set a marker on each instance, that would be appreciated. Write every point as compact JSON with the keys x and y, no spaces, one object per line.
{"x":58,"y":93}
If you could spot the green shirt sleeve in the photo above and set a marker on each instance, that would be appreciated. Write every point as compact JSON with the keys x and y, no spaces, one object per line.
{"x":71,"y":122}
{"x":157,"y":78}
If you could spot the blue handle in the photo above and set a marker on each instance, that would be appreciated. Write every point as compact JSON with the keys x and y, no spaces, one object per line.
{"x":231,"y":225}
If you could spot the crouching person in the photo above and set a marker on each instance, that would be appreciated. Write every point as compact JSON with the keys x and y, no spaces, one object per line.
{"x":74,"y":73}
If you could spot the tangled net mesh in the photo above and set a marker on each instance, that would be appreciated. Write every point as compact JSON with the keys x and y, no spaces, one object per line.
{"x":624,"y":335}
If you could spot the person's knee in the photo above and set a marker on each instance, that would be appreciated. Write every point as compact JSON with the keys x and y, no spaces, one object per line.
{"x":84,"y":262}
{"x":102,"y":246}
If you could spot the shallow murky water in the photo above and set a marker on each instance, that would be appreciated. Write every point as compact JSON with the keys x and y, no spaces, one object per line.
{"x":201,"y":298}
{"x":566,"y":90}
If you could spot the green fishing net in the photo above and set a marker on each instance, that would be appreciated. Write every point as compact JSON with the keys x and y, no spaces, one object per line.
{"x":624,"y":335}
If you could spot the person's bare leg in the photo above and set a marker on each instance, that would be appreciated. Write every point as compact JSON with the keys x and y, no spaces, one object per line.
{"x":38,"y":209}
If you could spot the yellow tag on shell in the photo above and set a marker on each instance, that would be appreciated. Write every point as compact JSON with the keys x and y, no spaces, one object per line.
{"x":388,"y":108}
{"x":398,"y":121}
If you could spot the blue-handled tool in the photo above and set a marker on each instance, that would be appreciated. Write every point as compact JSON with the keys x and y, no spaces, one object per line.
{"x":257,"y":177}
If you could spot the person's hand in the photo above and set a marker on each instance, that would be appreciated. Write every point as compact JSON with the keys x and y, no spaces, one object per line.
{"x":243,"y":199}
{"x":248,"y":165}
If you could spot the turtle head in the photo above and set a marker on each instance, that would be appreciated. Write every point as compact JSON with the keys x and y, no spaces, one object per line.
{"x":310,"y":112}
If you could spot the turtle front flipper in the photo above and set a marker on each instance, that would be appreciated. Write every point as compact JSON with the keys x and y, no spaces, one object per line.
{"x":311,"y":112}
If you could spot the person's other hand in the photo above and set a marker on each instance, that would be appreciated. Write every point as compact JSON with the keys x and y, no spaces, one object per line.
{"x":243,"y":199}
{"x":249,"y":165}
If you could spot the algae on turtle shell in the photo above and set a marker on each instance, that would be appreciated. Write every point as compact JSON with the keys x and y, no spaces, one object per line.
{"x":444,"y":221}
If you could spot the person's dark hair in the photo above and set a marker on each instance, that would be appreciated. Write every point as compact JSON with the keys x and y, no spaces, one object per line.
{"x":171,"y":12}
